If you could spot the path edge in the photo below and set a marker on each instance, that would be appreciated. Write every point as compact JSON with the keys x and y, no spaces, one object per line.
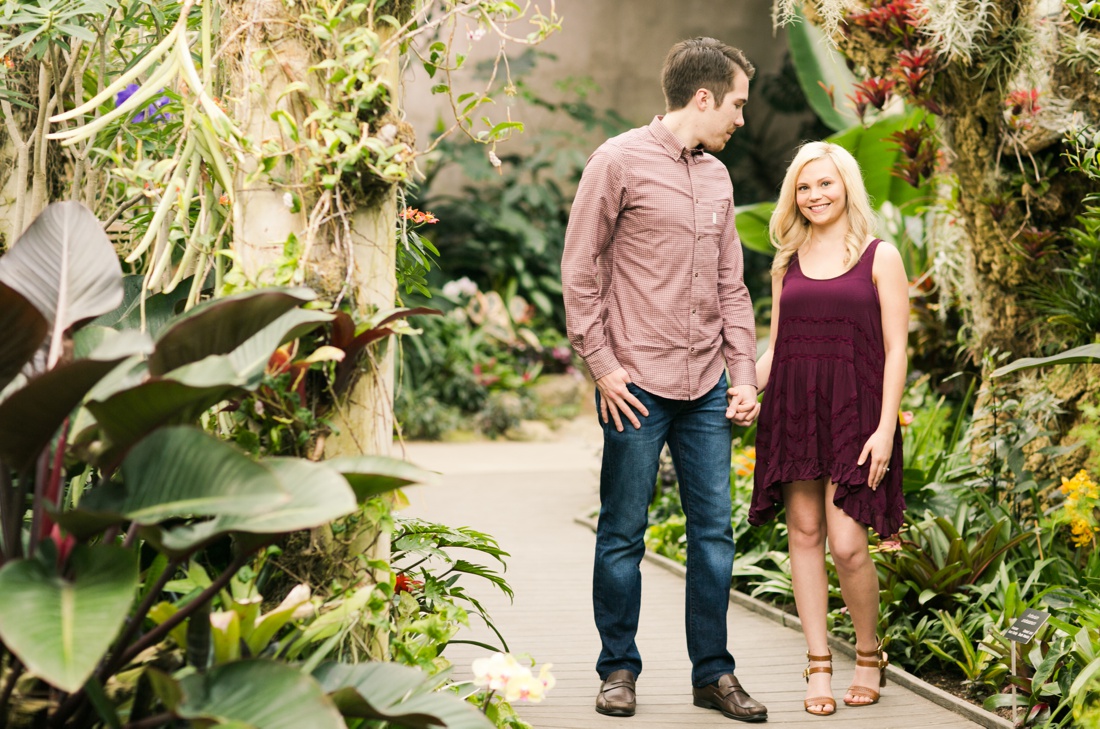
{"x":898,"y":675}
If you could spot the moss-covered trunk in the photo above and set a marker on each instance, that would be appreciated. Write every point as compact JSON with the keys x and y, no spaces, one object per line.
{"x":350,"y":257}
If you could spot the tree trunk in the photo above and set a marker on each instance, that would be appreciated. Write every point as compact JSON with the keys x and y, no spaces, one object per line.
{"x":349,"y":259}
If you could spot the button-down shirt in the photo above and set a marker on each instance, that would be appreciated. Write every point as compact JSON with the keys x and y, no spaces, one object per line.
{"x":653,"y":272}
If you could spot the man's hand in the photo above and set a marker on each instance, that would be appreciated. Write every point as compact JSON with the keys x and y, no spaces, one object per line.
{"x":617,"y":399}
{"x":743,"y":407}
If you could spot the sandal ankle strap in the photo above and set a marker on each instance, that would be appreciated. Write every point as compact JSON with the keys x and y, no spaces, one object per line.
{"x":826,"y":657}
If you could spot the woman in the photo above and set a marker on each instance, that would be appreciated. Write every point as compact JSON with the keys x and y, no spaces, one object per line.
{"x":828,"y":446}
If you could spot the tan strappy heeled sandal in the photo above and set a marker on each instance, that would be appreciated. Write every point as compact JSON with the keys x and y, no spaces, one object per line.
{"x":827,"y":701}
{"x":869,"y":659}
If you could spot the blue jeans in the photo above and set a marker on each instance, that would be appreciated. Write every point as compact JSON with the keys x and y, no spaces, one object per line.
{"x":698,"y":435}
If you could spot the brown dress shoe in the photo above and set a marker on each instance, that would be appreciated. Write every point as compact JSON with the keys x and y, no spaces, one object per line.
{"x":617,"y":697}
{"x":727,"y":696}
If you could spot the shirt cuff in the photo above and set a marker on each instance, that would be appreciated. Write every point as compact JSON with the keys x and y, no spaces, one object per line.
{"x":742,"y":372}
{"x":603,"y":362}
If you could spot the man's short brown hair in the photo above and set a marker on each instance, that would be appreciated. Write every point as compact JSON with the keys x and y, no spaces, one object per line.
{"x":701,"y":63}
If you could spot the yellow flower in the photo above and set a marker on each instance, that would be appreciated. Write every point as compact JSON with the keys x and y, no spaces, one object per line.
{"x":1082,"y":532}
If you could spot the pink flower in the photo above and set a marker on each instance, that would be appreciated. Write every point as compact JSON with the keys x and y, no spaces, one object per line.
{"x":905,"y":417}
{"x":889,"y":545}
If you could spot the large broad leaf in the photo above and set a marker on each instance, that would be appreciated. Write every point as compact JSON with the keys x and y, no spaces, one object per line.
{"x":31,"y":416}
{"x":397,"y":694}
{"x":752,"y":226}
{"x":22,"y":330}
{"x":1088,"y":354}
{"x":160,"y":309}
{"x":373,"y":475}
{"x":259,"y":694}
{"x":65,"y":266}
{"x":244,"y":365}
{"x":60,"y":628}
{"x":221,"y":325}
{"x":318,"y":495}
{"x":129,"y":415}
{"x":132,"y":408}
{"x":820,"y":69}
{"x":878,"y":156}
{"x":183,"y":472}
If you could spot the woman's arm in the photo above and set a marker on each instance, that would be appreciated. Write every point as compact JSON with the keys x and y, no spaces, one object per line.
{"x":764,"y":364}
{"x":889,"y":277}
{"x":893,"y":295}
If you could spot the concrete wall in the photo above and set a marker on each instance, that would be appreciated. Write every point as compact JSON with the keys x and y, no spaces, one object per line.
{"x":621,"y":45}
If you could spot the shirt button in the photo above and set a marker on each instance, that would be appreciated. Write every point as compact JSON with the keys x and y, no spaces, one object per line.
{"x":693,"y":311}
{"x":696,"y":274}
{"x":693,"y":349}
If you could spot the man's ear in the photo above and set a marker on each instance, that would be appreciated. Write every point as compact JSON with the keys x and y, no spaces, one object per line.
{"x":702,"y":98}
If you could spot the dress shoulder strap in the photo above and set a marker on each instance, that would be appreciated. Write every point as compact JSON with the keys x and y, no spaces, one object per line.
{"x":868,"y":257}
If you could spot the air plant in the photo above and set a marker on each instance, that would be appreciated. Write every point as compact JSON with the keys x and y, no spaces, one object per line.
{"x":954,"y":28}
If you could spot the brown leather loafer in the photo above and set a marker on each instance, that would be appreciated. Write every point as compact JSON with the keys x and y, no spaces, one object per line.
{"x":727,"y":696}
{"x":617,"y":696}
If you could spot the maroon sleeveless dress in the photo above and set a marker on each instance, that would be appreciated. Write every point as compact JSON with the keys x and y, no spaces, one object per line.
{"x":824,"y":397}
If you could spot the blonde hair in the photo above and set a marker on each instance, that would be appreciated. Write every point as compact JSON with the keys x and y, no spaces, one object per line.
{"x":789,"y":229}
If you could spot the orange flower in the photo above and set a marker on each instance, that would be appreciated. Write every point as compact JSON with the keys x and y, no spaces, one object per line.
{"x":418,"y":217}
{"x":404,"y":583}
{"x":744,"y":463}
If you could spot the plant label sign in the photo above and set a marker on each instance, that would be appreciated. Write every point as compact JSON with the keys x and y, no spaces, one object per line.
{"x":1027,"y":625}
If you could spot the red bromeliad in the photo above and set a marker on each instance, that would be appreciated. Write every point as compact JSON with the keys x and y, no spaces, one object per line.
{"x":891,"y":19}
{"x":1037,"y":244}
{"x":918,"y":144}
{"x":872,"y":92}
{"x":915,"y":71}
{"x":1022,"y":108}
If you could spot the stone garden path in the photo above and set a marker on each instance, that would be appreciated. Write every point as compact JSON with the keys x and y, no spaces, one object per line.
{"x":527,"y":496}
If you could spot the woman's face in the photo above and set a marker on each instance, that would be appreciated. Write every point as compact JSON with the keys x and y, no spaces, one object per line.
{"x":819,"y":192}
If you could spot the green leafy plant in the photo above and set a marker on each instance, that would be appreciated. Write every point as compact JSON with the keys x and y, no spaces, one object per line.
{"x":428,"y":571}
{"x":474,"y":365}
{"x":122,"y":406}
{"x":941,"y":558}
{"x":965,"y":653}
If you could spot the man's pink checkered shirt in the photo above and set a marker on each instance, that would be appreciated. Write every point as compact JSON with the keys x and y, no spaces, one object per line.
{"x":653,"y":273}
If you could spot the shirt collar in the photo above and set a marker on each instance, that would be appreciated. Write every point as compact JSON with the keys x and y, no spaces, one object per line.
{"x":670,"y":142}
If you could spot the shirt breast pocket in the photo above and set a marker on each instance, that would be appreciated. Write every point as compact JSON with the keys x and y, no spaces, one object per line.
{"x":712,"y":215}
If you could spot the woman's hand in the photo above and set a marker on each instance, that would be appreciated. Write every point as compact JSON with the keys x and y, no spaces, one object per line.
{"x":879,"y":447}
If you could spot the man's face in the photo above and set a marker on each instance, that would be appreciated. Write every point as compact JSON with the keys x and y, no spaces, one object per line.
{"x":720,"y":121}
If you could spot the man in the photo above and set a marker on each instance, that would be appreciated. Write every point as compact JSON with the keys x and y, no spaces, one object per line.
{"x":656,"y":305}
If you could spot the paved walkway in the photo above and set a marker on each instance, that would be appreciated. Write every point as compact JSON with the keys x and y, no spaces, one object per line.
{"x":527,"y":495}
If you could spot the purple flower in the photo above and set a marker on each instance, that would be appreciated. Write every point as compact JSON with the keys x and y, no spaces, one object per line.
{"x":149,"y":113}
{"x":126,"y":93}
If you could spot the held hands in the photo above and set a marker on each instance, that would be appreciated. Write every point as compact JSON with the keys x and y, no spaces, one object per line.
{"x":618,"y":400}
{"x":879,"y":447}
{"x":743,"y":407}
